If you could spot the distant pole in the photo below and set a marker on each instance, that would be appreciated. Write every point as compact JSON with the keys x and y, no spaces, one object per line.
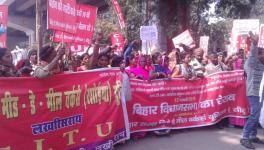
{"x":38,"y":26}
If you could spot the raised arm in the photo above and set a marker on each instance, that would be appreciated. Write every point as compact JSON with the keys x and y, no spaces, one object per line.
{"x":93,"y":60}
{"x":253,"y":54}
{"x":44,"y":72}
{"x":129,"y":50}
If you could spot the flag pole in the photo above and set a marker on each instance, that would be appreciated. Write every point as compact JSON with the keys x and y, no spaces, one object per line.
{"x":38,"y":27}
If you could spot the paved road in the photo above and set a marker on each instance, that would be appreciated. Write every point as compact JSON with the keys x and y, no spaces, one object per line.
{"x":206,"y":138}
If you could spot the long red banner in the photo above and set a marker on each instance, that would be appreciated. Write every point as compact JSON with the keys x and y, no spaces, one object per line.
{"x":68,"y":111}
{"x":85,"y":111}
{"x":119,"y":14}
{"x":178,"y":103}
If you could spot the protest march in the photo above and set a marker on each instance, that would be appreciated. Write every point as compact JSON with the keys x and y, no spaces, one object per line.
{"x":83,"y":86}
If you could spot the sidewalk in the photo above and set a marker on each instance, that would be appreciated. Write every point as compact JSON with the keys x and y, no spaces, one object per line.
{"x":206,"y":138}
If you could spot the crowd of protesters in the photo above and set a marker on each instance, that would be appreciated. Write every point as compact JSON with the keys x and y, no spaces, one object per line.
{"x":187,"y":63}
{"x":183,"y":62}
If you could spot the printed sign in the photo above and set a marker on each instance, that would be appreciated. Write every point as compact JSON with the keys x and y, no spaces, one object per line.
{"x":184,"y":38}
{"x":178,"y":103}
{"x":82,"y":113}
{"x":148,"y":33}
{"x":118,"y":39}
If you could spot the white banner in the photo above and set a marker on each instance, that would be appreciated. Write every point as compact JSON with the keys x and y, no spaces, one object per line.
{"x":204,"y":42}
{"x":184,"y":38}
{"x":148,"y":33}
{"x":241,"y":28}
{"x":261,"y":36}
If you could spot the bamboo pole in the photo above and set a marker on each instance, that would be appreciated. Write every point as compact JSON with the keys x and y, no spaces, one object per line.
{"x":38,"y":27}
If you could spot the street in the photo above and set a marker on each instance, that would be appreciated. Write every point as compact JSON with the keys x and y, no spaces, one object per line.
{"x":205,"y":138}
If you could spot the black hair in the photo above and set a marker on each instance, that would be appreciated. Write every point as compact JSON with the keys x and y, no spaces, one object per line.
{"x":241,"y":50}
{"x":260,"y":50}
{"x":184,"y":54}
{"x":103,"y":55}
{"x":45,"y":52}
{"x":186,"y":48}
{"x":116,"y":61}
{"x":83,"y":55}
{"x":220,"y":54}
{"x":166,"y":57}
{"x":78,"y":57}
{"x":2,"y":52}
{"x":155,"y":56}
{"x":131,"y":56}
{"x":212,"y":54}
{"x":31,"y":52}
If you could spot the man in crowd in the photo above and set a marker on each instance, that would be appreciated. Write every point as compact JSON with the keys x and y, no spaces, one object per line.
{"x":214,"y":65}
{"x":197,"y":62}
{"x":254,"y":68}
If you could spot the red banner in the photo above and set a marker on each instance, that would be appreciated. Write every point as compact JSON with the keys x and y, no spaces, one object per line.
{"x":118,"y":39}
{"x":62,"y":36}
{"x":68,"y":111}
{"x":62,"y":15}
{"x":243,"y":42}
{"x":119,"y":14}
{"x":77,"y":48}
{"x":86,"y":16}
{"x":3,"y":24}
{"x":178,"y":103}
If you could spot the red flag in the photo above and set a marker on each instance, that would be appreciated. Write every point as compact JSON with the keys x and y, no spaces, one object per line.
{"x":85,"y":22}
{"x":61,"y":15}
{"x":86,"y":16}
{"x":3,"y":24}
{"x":119,"y":14}
{"x":118,"y":39}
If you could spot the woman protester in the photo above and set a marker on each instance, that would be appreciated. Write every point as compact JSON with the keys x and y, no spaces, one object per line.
{"x":49,"y":61}
{"x":7,"y":69}
{"x":158,"y":71}
{"x":141,"y":72}
{"x":184,"y":69}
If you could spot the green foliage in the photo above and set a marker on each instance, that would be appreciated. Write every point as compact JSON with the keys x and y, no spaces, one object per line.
{"x":234,"y":9}
{"x":197,"y":14}
{"x":219,"y":33}
{"x":135,"y":15}
{"x":107,"y":28}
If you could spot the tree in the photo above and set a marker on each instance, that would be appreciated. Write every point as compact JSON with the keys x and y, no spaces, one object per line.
{"x":234,"y":9}
{"x":257,"y":10}
{"x":170,"y":16}
{"x":242,"y":9}
{"x":133,"y":14}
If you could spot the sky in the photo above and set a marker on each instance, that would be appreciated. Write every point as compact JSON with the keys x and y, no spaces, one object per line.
{"x":212,"y":15}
